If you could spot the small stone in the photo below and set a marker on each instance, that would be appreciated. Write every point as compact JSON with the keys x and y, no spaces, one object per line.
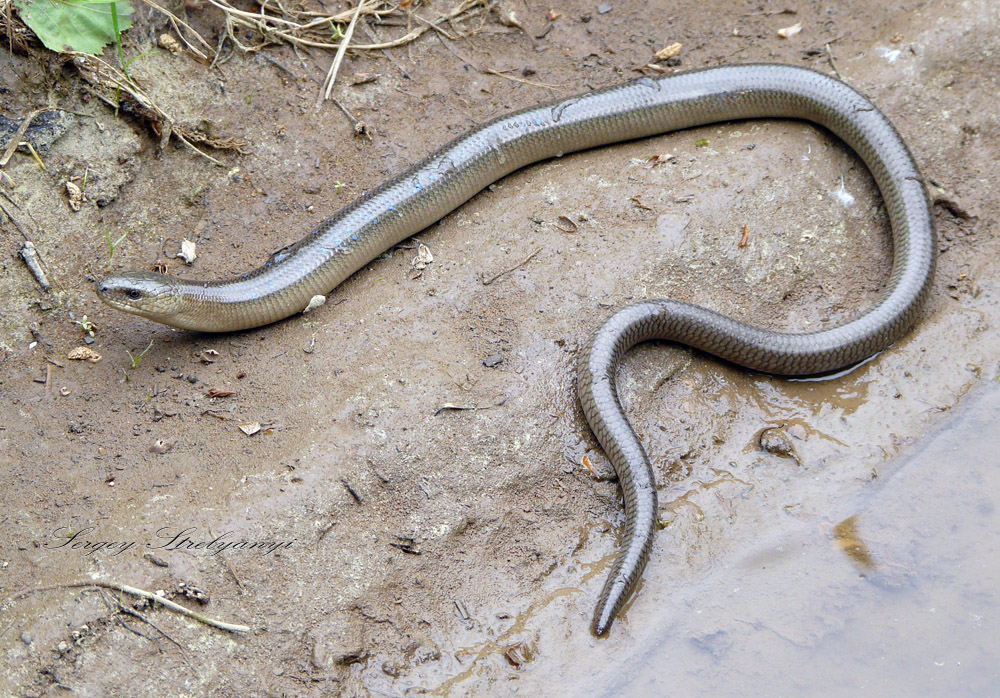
{"x":26,"y":637}
{"x":492,"y":360}
{"x":797,"y":431}
{"x":170,"y":43}
{"x":390,"y":669}
{"x":776,"y":441}
{"x":84,"y":354}
{"x":604,"y":8}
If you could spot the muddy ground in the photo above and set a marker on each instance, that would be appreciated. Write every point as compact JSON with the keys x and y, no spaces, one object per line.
{"x":456,"y":552}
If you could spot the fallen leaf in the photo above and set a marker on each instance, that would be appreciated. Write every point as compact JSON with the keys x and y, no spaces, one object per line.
{"x":657,"y":159}
{"x":75,"y":26}
{"x":314,"y":302}
{"x":250,"y":428}
{"x":565,"y":224}
{"x":75,"y":195}
{"x":423,"y":258}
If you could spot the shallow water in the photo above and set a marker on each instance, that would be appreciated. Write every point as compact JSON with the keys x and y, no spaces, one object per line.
{"x":897,"y":593}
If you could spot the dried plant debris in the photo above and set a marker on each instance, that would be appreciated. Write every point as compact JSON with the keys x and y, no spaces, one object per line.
{"x":423,"y":258}
{"x":314,"y":302}
{"x":74,"y":195}
{"x":250,"y":428}
{"x":15,"y":33}
{"x":188,"y":251}
{"x":273,"y":22}
{"x":30,"y":256}
{"x":276,"y":21}
{"x":789,"y":32}
{"x":123,"y":93}
{"x":43,"y":129}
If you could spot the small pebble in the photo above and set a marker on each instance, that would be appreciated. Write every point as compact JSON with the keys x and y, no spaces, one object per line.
{"x":604,"y":8}
{"x":492,"y":360}
{"x":776,"y":441}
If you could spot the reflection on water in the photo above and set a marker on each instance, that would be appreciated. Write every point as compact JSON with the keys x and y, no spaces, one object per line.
{"x":896,"y":594}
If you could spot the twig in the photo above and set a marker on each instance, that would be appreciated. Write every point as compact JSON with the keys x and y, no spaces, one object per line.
{"x":431,"y":25}
{"x":487,"y":282}
{"x":829,"y":58}
{"x":347,"y":486}
{"x":341,"y":50}
{"x":125,"y":589}
{"x":122,"y":608}
{"x":135,"y":614}
{"x":9,"y":626}
{"x":490,"y":71}
{"x":30,"y":256}
{"x":358,"y":126}
{"x":12,"y":217}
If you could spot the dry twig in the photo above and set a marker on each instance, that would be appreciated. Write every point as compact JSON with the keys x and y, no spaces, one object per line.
{"x":125,"y":589}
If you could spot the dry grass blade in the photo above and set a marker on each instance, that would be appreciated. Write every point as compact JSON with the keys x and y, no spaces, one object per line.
{"x":112,"y":86}
{"x":341,"y":50}
{"x":313,"y":30}
{"x":142,"y":593}
{"x":18,"y":35}
{"x":175,"y":21}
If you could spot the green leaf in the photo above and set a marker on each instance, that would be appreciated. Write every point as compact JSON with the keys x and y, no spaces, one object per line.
{"x":75,"y":25}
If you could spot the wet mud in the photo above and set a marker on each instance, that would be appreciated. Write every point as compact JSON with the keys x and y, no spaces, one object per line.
{"x":403,"y":546}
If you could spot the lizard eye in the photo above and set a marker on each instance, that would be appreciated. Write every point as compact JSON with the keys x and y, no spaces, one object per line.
{"x":134,"y":293}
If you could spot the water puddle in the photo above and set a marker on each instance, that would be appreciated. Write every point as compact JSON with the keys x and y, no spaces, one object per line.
{"x":896,"y":592}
